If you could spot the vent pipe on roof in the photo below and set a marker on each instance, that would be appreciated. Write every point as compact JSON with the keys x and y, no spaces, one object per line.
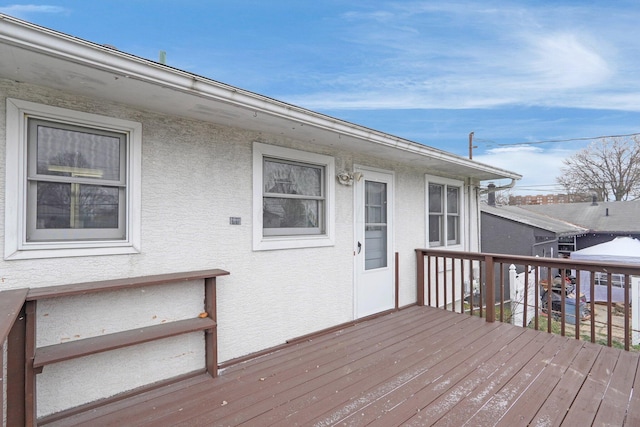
{"x":504,"y":187}
{"x":492,"y":194}
{"x":594,"y":200}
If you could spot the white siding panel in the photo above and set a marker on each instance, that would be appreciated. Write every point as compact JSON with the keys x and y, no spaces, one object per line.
{"x":195,"y":176}
{"x":74,"y":382}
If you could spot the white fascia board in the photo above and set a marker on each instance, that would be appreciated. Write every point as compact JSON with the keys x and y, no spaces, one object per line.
{"x":39,"y":39}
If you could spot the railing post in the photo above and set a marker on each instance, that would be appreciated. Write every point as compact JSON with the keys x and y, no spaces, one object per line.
{"x":397,"y":280}
{"x":513,"y":292}
{"x":490,"y":285}
{"x":30,"y":373}
{"x":420,"y":276}
{"x":211,"y":335}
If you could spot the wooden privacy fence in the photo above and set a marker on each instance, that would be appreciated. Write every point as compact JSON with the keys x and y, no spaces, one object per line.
{"x":478,"y":284}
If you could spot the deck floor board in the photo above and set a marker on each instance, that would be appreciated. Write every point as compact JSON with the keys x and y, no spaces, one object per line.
{"x":419,"y":366}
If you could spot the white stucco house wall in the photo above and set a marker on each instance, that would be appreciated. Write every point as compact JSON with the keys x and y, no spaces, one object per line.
{"x":116,"y":166}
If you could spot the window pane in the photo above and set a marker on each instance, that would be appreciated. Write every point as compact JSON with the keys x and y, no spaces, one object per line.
{"x":452,"y":200}
{"x":291,"y":213}
{"x":64,"y":206}
{"x":375,"y":255}
{"x":435,"y":198}
{"x":69,"y":152}
{"x":435,"y":227}
{"x":376,"y":202}
{"x":292,"y":178}
{"x":452,"y":229}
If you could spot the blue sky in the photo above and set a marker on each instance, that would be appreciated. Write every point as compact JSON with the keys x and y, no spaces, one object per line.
{"x":430,"y":71}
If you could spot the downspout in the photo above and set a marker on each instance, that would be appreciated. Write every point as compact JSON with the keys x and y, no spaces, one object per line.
{"x":471,"y":204}
{"x":478,"y":219}
{"x":484,"y":191}
{"x":494,"y":189}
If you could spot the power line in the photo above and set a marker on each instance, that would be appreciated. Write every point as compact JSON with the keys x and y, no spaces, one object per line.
{"x":567,"y":140}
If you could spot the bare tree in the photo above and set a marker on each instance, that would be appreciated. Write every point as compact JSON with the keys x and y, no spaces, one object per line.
{"x":608,"y":168}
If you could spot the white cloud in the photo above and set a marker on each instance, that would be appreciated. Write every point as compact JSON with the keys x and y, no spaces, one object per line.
{"x":468,"y":55}
{"x":21,"y":10}
{"x":538,"y":167}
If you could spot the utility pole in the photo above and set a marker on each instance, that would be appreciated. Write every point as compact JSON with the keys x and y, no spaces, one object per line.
{"x":471,"y":147}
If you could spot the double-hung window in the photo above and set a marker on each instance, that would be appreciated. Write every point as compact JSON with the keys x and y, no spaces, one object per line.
{"x":293,"y":198}
{"x":76,"y":183}
{"x":444,"y":219}
{"x":77,"y":179}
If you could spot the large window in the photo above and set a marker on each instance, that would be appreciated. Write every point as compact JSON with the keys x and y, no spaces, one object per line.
{"x":293,"y":198}
{"x":444,"y":202}
{"x":76,"y":183}
{"x":293,"y":193}
{"x":77,"y":179}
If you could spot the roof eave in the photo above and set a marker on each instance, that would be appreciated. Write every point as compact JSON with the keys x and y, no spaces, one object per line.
{"x":87,"y":55}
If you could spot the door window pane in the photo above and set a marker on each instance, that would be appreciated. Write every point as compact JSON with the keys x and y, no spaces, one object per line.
{"x":375,"y":232}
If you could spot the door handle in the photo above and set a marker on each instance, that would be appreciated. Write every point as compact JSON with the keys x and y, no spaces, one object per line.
{"x":359,"y":247}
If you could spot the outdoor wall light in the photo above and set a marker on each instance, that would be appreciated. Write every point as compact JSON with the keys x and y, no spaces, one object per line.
{"x":346,"y":178}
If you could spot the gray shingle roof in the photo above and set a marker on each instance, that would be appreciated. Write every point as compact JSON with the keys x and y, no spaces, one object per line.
{"x":603,"y":217}
{"x":534,"y":219}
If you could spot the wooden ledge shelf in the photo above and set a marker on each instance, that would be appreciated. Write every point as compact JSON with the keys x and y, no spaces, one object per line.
{"x":32,"y":359}
{"x":84,"y":347}
{"x":116,"y":284}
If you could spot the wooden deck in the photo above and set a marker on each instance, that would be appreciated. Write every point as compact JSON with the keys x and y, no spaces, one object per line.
{"x":419,"y":366}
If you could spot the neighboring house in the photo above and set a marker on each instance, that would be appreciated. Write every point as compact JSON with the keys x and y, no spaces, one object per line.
{"x":515,"y":231}
{"x":117,"y":166}
{"x":602,"y":221}
{"x":556,"y":229}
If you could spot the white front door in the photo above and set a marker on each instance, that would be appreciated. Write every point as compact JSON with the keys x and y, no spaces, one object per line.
{"x":374,"y":277}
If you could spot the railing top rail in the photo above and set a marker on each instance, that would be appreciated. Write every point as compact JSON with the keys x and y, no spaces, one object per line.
{"x":11,"y":302}
{"x":561,"y":263}
{"x":476,"y":256}
{"x":117,"y":284}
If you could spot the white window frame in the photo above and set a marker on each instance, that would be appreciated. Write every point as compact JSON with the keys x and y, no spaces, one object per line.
{"x":16,"y":245}
{"x":617,"y":279}
{"x":263,"y":242}
{"x":446,"y":182}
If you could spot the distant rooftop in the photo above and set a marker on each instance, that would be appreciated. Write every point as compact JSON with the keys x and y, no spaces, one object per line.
{"x":600,"y":217}
{"x":534,"y":219}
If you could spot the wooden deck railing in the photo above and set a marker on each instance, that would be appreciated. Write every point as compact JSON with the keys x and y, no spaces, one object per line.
{"x":458,"y":281}
{"x":12,"y":329}
{"x":26,"y":360}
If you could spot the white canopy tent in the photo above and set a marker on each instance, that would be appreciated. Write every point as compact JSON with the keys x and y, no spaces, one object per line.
{"x":622,"y":250}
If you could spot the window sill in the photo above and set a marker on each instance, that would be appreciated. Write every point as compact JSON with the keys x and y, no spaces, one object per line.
{"x":292,"y":242}
{"x":458,"y":247}
{"x":70,"y":252}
